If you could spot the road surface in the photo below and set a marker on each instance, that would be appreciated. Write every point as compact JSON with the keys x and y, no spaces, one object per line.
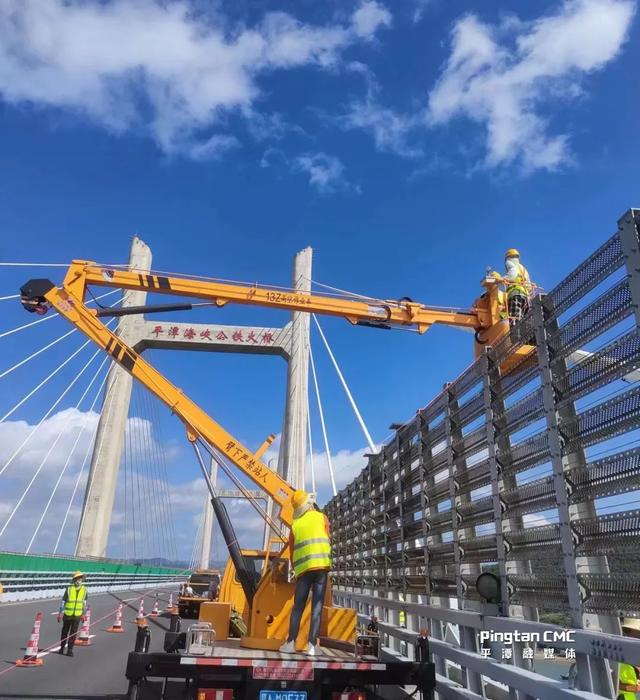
{"x":95,"y":672}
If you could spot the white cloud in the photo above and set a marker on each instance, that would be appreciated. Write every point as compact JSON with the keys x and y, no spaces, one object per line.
{"x":369,"y":17}
{"x":501,"y":76}
{"x":270,"y":126}
{"x":347,"y":464}
{"x":63,"y":426}
{"x":420,"y":7}
{"x":390,"y":129}
{"x":326,"y":173}
{"x":273,"y":156}
{"x":51,"y":447}
{"x":214,"y":147}
{"x":138,"y":486}
{"x":158,"y":67}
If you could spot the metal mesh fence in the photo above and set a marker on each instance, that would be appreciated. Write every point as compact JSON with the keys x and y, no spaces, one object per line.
{"x":449,"y":496}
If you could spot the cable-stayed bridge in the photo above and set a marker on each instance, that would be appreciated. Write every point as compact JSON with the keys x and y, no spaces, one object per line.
{"x":532,"y":475}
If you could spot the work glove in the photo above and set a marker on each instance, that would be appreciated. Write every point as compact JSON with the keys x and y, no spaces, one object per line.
{"x":59,"y":617}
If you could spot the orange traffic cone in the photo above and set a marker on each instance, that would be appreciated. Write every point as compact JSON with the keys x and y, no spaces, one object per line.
{"x":155,"y":612}
{"x":83,"y":639}
{"x":30,"y":657}
{"x":117,"y":625}
{"x":141,"y":620}
{"x":171,"y":608}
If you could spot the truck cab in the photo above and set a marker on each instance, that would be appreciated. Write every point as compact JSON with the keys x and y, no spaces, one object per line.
{"x":205,"y":584}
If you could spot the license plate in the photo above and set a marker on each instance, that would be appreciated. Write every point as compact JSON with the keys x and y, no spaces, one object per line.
{"x":283,"y":673}
{"x":283,"y":695}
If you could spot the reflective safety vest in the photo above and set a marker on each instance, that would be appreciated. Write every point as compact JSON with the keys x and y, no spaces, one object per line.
{"x":74,"y":605}
{"x":521,"y":284}
{"x":626,"y":695}
{"x":627,"y":682}
{"x":311,"y":546}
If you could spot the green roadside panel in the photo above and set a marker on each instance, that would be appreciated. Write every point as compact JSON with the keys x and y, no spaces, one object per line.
{"x":12,"y":561}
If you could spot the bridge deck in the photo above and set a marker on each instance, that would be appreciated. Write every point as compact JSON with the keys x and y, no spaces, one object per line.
{"x":96,"y":672}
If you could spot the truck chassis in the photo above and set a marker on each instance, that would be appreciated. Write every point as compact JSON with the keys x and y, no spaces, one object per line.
{"x":246,"y":678}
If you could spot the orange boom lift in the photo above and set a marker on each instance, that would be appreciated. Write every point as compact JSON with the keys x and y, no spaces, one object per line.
{"x":270,"y":598}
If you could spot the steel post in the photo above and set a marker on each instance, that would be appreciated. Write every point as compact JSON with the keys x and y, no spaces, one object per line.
{"x":628,"y":228}
{"x":592,"y":676}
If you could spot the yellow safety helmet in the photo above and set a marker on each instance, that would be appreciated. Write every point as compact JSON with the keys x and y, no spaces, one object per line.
{"x":299,"y":499}
{"x":512,"y":253}
{"x":78,"y":574}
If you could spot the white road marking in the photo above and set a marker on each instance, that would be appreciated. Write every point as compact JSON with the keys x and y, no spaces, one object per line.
{"x":55,"y":649}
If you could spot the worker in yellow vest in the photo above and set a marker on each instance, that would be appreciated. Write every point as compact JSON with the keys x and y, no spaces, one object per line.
{"x":629,"y":676}
{"x":402,"y":615}
{"x":72,"y":611}
{"x":518,"y":285}
{"x":310,"y":546}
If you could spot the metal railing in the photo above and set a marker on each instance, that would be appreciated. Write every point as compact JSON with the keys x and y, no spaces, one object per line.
{"x":29,"y":577}
{"x":529,"y":475}
{"x":32,"y":585}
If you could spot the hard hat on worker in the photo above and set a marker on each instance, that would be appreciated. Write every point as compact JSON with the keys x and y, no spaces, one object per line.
{"x":300,"y":501}
{"x":77,"y":575}
{"x":299,"y":498}
{"x":511,"y":253}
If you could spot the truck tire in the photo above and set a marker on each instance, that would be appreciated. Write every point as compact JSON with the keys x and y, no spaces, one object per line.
{"x":134,"y":691}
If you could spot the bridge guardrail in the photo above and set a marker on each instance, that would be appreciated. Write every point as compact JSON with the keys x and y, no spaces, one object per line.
{"x":452,"y":656}
{"x":30,"y":577}
{"x":32,"y":585}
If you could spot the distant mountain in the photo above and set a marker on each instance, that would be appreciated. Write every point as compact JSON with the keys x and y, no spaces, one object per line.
{"x":161,"y":561}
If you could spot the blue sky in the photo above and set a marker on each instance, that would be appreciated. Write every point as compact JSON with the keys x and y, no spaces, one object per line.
{"x":408,"y":143}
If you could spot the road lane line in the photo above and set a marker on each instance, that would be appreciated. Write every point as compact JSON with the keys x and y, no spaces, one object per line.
{"x":55,"y":651}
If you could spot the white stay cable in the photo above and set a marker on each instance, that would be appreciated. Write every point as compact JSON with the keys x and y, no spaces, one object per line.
{"x":324,"y":427}
{"x":75,"y":488}
{"x":48,"y":318}
{"x":43,"y":382}
{"x":37,"y":352}
{"x":53,"y":444}
{"x":55,"y":371}
{"x":311,"y":464}
{"x":11,"y":296}
{"x":73,"y":448}
{"x":28,"y":325}
{"x":367,"y":435}
{"x":50,"y":411}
